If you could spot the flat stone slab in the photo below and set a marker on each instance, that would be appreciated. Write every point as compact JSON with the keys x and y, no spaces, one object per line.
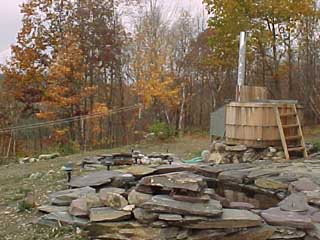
{"x":108,"y":215}
{"x":287,"y":233}
{"x":254,"y":233}
{"x":52,"y":208}
{"x":262,"y":173}
{"x":231,"y":218}
{"x":144,"y":216}
{"x":113,"y":190}
{"x":234,"y":176}
{"x":65,"y":197}
{"x":130,"y":230}
{"x":296,"y":202}
{"x":170,"y":217}
{"x":95,"y":179}
{"x":269,"y":183}
{"x":166,"y":204}
{"x":179,"y":180}
{"x":139,"y":170}
{"x":277,"y":217}
{"x":164,"y":169}
{"x":303,"y":185}
{"x":57,"y":218}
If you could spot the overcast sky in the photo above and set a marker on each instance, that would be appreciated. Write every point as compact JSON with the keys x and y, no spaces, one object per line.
{"x":10,"y":19}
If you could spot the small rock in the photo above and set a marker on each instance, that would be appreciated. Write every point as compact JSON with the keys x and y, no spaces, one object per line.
{"x":220,"y":147}
{"x":48,"y":156}
{"x":138,"y":198}
{"x":272,"y":149}
{"x":236,"y":148}
{"x":205,"y":155}
{"x":144,"y":216}
{"x":128,"y":208}
{"x":113,"y":200}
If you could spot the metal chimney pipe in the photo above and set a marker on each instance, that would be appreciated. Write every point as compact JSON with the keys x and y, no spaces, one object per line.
{"x":242,"y":59}
{"x":242,"y":65}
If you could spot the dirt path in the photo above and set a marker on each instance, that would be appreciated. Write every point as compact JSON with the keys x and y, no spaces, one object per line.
{"x":45,"y":177}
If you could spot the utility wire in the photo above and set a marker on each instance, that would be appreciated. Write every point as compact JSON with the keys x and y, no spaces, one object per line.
{"x":71,"y":119}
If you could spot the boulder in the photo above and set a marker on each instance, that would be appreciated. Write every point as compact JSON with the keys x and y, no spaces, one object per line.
{"x":179,"y":181}
{"x":113,"y":200}
{"x":166,"y":204}
{"x":64,"y":198}
{"x":107,"y":214}
{"x":138,"y":198}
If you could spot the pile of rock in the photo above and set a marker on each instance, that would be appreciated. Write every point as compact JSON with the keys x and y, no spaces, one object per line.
{"x":187,"y":202}
{"x":118,"y":159}
{"x":42,"y":157}
{"x":220,"y":152}
{"x":174,"y":205}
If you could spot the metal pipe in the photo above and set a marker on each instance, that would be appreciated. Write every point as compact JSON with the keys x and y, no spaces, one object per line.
{"x":242,"y":60}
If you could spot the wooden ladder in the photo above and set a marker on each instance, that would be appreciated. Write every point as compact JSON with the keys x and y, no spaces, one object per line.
{"x":291,"y":121}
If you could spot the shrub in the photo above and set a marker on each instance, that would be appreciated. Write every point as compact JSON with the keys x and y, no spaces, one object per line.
{"x":161,"y":130}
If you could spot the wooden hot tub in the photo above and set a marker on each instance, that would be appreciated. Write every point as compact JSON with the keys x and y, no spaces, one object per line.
{"x":254,"y":123}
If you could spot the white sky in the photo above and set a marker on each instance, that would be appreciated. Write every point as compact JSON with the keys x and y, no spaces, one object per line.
{"x":10,"y":19}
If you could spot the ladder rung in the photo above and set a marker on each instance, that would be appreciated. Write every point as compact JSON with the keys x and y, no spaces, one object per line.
{"x":296,"y":149}
{"x":293,"y":138}
{"x":288,"y":114}
{"x":291,"y":126}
